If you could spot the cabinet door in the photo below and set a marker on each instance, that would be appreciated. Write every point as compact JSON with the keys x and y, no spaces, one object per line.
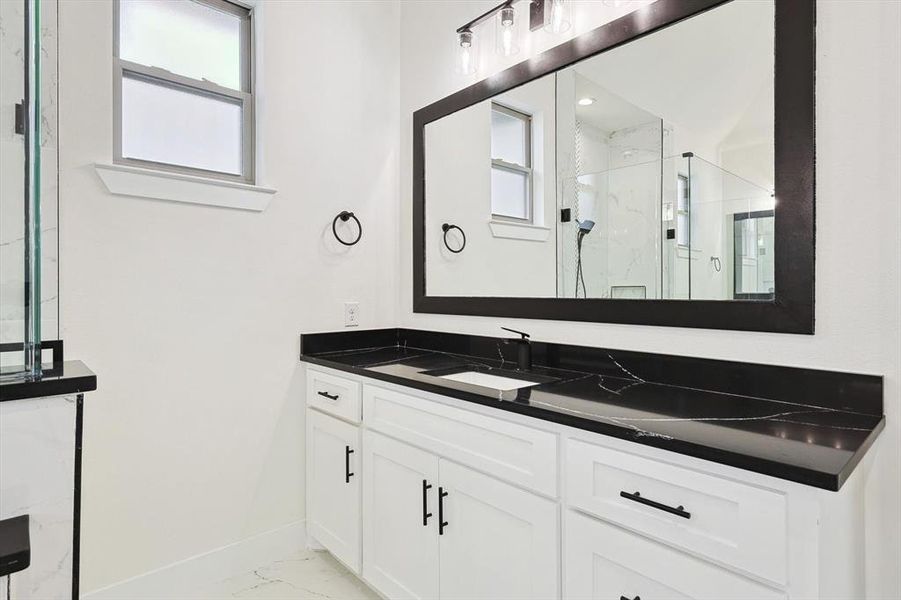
{"x":333,"y":486}
{"x":603,"y":561}
{"x":498,"y":542}
{"x":400,"y":515}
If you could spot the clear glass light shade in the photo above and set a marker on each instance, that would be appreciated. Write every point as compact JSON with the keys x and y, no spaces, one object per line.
{"x":467,"y":53}
{"x":557,"y":16}
{"x":506,"y":32}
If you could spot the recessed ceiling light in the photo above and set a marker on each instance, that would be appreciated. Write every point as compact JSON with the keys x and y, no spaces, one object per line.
{"x":586,"y":101}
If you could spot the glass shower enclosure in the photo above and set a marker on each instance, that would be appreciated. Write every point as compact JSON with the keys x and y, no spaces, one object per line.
{"x":653,"y":227}
{"x":27,"y":134}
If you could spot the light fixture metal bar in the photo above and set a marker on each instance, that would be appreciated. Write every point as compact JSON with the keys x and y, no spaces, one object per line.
{"x":485,"y":16}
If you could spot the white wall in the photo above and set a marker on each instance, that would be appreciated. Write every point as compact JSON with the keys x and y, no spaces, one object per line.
{"x":190,"y":315}
{"x":858,"y":290}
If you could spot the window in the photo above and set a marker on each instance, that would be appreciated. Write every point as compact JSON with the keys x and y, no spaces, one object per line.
{"x":183,"y":87}
{"x":683,"y":212}
{"x":511,"y":164}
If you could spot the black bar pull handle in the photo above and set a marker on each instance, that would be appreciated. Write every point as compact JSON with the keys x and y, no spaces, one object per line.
{"x":426,"y":486}
{"x":679,"y":511}
{"x":327,"y":395}
{"x":347,"y":473}
{"x":441,"y":522}
{"x":625,"y":598}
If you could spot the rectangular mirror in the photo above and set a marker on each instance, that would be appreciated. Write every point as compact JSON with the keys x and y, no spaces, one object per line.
{"x":657,"y":170}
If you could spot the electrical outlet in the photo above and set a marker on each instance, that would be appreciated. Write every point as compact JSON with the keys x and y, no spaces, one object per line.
{"x":351,"y":314}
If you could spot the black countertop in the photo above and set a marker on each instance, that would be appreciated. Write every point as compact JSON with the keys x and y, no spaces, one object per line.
{"x":61,"y":379}
{"x":811,"y":426}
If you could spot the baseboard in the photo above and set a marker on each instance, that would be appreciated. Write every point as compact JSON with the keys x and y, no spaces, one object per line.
{"x":183,"y":577}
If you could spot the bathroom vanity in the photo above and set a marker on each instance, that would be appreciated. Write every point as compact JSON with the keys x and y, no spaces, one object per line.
{"x":609,"y":474}
{"x":657,"y":170}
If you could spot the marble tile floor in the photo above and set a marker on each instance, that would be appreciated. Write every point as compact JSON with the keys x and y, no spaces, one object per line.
{"x":305,"y":575}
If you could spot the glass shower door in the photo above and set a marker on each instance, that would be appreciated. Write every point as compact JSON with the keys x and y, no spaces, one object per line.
{"x":26,"y":40}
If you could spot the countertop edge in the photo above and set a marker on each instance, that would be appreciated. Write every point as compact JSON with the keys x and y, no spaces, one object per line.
{"x":83,"y":380}
{"x":823,"y":480}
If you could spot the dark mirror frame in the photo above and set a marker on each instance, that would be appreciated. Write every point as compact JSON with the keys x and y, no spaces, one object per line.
{"x":792,"y":308}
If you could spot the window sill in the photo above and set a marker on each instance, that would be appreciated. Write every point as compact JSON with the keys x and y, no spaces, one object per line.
{"x":176,"y":187}
{"x":689,"y":253}
{"x":519,"y":231}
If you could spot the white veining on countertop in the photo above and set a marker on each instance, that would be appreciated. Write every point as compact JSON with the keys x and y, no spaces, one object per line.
{"x":625,"y":370}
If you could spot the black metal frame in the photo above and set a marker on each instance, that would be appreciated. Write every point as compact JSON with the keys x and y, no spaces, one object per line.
{"x":792,"y":309}
{"x":76,"y":503}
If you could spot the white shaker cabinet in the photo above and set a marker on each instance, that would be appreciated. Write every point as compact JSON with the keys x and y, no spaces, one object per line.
{"x":400,"y":514}
{"x":604,"y":562}
{"x":435,"y":529}
{"x":430,"y":497}
{"x":499,"y":541}
{"x":333,"y":486}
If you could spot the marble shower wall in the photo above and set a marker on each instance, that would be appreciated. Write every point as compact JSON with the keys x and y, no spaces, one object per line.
{"x":618,"y":188}
{"x":12,"y":159}
{"x":37,"y":459}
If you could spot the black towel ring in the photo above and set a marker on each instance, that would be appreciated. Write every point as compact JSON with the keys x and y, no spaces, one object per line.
{"x":447,"y":227}
{"x":346,"y":216}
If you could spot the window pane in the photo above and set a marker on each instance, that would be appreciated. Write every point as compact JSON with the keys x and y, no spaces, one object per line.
{"x":174,"y":126}
{"x":682,"y":229}
{"x":508,"y":138}
{"x":683,"y":193}
{"x":509,"y":193}
{"x":184,"y":37}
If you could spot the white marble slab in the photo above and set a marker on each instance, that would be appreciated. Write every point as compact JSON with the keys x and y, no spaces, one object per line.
{"x":37,"y":467}
{"x":300,"y":576}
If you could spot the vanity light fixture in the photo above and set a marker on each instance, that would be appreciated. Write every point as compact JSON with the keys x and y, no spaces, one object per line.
{"x":506,"y":31}
{"x":586,"y":101}
{"x":552,"y":15}
{"x":466,"y":52}
{"x":557,"y":16}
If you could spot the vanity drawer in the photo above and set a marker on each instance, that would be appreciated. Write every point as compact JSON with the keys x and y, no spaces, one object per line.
{"x":509,"y":451}
{"x":606,"y":562}
{"x":736,"y":524}
{"x":334,"y":395}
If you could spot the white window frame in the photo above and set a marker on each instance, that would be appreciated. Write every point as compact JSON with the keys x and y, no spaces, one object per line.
{"x":526,"y":169}
{"x":126,"y":69}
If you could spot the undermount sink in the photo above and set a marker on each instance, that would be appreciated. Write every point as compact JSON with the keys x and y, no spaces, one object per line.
{"x":496,"y":382}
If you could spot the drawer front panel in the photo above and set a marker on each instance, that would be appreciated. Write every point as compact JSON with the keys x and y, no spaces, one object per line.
{"x":604,"y":562}
{"x":519,"y":454}
{"x":333,"y":394}
{"x":739,"y":525}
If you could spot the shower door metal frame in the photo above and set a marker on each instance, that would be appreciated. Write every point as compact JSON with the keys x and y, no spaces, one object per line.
{"x":792,"y":308}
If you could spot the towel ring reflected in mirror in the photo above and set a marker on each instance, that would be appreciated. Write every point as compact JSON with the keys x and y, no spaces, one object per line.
{"x":345,"y":216}
{"x":446,"y":228}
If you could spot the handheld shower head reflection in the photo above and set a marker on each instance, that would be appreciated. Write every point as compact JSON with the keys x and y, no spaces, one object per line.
{"x":585,"y":226}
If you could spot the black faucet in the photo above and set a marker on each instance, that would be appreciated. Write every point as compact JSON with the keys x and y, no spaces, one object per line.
{"x":523,"y":350}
